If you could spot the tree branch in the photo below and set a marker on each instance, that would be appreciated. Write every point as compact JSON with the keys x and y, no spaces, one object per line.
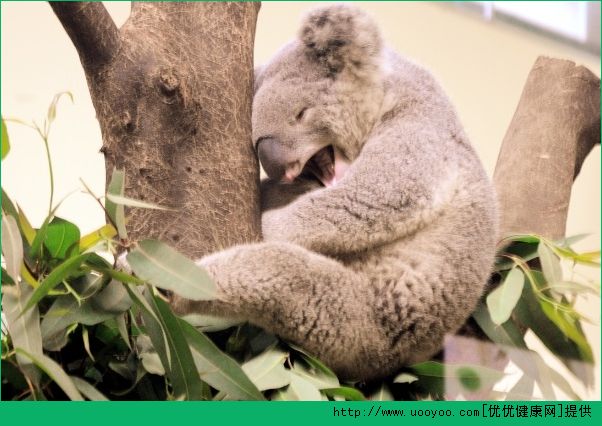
{"x":91,"y":30}
{"x":555,"y":126}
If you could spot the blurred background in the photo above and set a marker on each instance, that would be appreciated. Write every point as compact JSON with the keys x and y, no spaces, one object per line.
{"x":480,"y":51}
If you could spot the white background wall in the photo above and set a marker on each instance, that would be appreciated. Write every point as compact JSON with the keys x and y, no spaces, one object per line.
{"x":482,"y":65}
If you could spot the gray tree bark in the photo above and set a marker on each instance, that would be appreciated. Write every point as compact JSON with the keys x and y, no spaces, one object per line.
{"x":173,"y":91}
{"x":555,"y":126}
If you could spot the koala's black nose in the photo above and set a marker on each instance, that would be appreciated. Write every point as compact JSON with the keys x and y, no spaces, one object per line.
{"x":273,"y":157}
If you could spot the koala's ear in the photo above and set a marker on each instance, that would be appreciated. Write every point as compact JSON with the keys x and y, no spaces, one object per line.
{"x":258,"y":78}
{"x":341,"y":37}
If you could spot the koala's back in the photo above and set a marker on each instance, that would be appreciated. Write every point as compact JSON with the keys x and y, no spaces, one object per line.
{"x":443,"y":266}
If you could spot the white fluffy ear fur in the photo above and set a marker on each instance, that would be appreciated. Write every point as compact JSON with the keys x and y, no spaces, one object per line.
{"x":342,"y":37}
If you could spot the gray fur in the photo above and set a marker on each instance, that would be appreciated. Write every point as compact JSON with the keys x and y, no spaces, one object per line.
{"x":370,"y":274}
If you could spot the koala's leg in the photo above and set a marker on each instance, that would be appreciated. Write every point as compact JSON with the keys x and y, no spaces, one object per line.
{"x":301,"y":296}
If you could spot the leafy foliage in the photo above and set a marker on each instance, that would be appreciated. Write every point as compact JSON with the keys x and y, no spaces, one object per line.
{"x":75,"y":326}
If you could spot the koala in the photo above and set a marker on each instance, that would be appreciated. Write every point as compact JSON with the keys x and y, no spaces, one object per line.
{"x":379,"y":222}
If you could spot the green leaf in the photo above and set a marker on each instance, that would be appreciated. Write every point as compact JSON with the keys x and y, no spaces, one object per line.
{"x":550,"y":263}
{"x":570,"y":327}
{"x":122,"y":328}
{"x":405,"y":378}
{"x":505,"y":334}
{"x":300,"y":389}
{"x":471,"y":377}
{"x":530,"y":314}
{"x":7,"y":205}
{"x":522,"y":390}
{"x":350,"y":394}
{"x":315,"y":377}
{"x":315,"y":364}
{"x":67,"y":310}
{"x":5,"y":140}
{"x":61,"y":235}
{"x":87,"y":389}
{"x":12,"y":247}
{"x":131,"y":202}
{"x":210,"y":323}
{"x":113,"y":299}
{"x":23,"y":329}
{"x":116,"y":211}
{"x":149,"y":357}
{"x":503,"y":299}
{"x":52,"y":108}
{"x":267,"y":371}
{"x":103,"y":233}
{"x":116,"y":275}
{"x":181,"y":370}
{"x":26,"y":229}
{"x":165,"y":268}
{"x":35,"y":251}
{"x":58,"y":274}
{"x":217,"y":368}
{"x":55,"y":372}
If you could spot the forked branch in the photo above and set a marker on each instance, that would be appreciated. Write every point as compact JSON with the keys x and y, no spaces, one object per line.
{"x":91,"y":30}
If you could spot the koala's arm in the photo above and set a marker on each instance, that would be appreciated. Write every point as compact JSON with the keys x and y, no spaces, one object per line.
{"x":397,"y":185}
{"x":303,"y":297}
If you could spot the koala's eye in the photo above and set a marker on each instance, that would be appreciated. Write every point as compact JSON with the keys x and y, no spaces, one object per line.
{"x":300,"y":114}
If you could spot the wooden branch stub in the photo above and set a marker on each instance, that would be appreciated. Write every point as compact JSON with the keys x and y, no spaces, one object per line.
{"x":555,"y":126}
{"x":91,"y":30}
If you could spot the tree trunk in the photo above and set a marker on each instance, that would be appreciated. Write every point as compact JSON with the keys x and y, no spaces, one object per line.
{"x":555,"y":126}
{"x":173,"y":91}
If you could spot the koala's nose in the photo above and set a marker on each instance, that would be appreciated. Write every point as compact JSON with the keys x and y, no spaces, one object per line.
{"x":275,"y":159}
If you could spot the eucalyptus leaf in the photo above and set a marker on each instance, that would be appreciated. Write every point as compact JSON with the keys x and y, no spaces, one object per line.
{"x":131,"y":202}
{"x":55,"y":372}
{"x":522,"y":390}
{"x":52,"y":108}
{"x":5,"y":141}
{"x":503,"y":299}
{"x":405,"y":378}
{"x":506,"y":334}
{"x":315,"y":377}
{"x":183,"y":376}
{"x":26,"y":229}
{"x":35,"y":251}
{"x":12,"y":246}
{"x":267,"y":370}
{"x":550,"y":263}
{"x":116,"y":211}
{"x":300,"y":389}
{"x":67,"y":310}
{"x":88,"y":390}
{"x":149,"y":357}
{"x":103,"y":233}
{"x":569,"y":326}
{"x":165,"y":268}
{"x":348,"y":393}
{"x":24,"y":329}
{"x":218,"y":369}
{"x":530,"y":314}
{"x":7,"y":205}
{"x":210,"y":323}
{"x":58,"y":274}
{"x":61,"y":236}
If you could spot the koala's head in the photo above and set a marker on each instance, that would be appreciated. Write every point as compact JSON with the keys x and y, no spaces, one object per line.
{"x":318,"y":99}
